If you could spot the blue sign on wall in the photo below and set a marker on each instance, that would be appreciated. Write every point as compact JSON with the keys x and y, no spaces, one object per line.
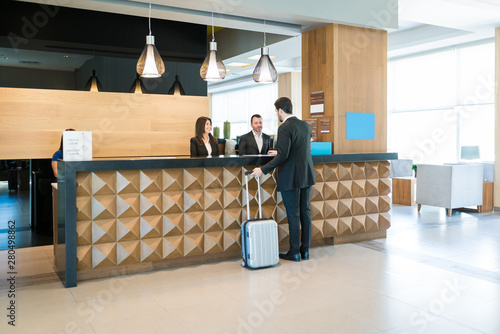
{"x":360,"y":125}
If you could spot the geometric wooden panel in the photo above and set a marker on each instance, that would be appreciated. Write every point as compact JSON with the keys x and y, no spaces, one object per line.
{"x":84,"y":208}
{"x":344,"y":189}
{"x":150,"y":180}
{"x":231,"y":239}
{"x":330,"y":190}
{"x":358,"y":171}
{"x":330,"y":172}
{"x":130,"y":217}
{"x":127,"y":181}
{"x":371,"y":205}
{"x":173,"y":247}
{"x":384,"y":203}
{"x":173,"y":224}
{"x":318,"y":173}
{"x":103,"y":207}
{"x":103,"y":231}
{"x":193,"y":179}
{"x":344,"y":171}
{"x":172,"y":180}
{"x":151,"y":227}
{"x":371,"y":170}
{"x":104,"y":255}
{"x":128,"y":205}
{"x":213,"y":242}
{"x":173,"y":201}
{"x":212,"y":178}
{"x":128,"y":252}
{"x":128,"y":228}
{"x":151,"y":249}
{"x":371,"y":188}
{"x":84,"y":233}
{"x":103,"y":183}
{"x":213,"y":199}
{"x":193,"y":244}
{"x":384,"y":186}
{"x":384,"y":169}
{"x":83,"y":184}
{"x":231,"y":177}
{"x":317,"y":192}
{"x":358,"y":188}
{"x":84,"y":256}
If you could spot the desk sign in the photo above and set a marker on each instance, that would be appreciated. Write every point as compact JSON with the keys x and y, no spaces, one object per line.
{"x":317,"y":104}
{"x":77,"y":145}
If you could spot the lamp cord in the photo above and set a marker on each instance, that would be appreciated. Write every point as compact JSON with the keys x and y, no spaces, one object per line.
{"x":149,"y":18}
{"x":213,"y":36}
{"x":264,"y":33}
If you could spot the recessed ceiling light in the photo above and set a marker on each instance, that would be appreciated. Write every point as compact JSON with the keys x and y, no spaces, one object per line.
{"x":257,"y":57}
{"x":66,"y":56}
{"x":238,"y":65}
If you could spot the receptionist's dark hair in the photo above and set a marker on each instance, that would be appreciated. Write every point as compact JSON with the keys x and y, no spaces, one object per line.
{"x":61,"y":146}
{"x":284,"y":104}
{"x":200,"y":129}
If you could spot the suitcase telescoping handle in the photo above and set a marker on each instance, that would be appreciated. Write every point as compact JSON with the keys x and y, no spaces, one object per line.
{"x":258,"y":195}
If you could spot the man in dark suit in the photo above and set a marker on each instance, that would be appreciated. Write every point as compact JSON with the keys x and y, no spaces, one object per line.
{"x":255,"y":142}
{"x":295,"y":176}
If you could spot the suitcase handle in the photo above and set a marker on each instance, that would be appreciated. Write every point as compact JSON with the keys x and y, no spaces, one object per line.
{"x":258,"y":195}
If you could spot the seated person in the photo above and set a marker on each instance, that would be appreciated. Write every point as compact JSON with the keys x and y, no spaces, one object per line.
{"x":58,"y":155}
{"x":255,"y":142}
{"x":204,"y":144}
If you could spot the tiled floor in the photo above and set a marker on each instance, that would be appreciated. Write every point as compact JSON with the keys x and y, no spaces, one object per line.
{"x":15,"y":206}
{"x":432,"y":274}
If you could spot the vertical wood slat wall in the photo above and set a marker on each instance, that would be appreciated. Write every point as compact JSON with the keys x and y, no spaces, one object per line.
{"x":32,"y":120}
{"x":349,"y":64}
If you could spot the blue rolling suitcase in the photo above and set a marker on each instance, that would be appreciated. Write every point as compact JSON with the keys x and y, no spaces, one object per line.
{"x":259,"y":237}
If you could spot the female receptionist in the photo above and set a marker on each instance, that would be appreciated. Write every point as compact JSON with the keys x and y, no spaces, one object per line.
{"x":204,"y":144}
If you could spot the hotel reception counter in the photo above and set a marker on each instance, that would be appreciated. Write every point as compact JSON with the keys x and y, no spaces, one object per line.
{"x":118,"y":216}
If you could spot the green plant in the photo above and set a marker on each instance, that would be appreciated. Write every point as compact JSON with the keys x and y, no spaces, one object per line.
{"x":414,"y":167}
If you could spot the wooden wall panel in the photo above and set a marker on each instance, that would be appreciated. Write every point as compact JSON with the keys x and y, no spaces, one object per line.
{"x":496,"y":192}
{"x":349,"y":64}
{"x":362,"y":74}
{"x":32,"y":120}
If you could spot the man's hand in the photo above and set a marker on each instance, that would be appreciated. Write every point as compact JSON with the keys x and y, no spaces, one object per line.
{"x":257,"y":172}
{"x":272,"y":152}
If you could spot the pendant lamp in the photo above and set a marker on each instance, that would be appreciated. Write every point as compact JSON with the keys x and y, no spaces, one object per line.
{"x":265,"y":72}
{"x":150,"y":64}
{"x":212,"y":68}
{"x":137,"y":87}
{"x":93,"y":84}
{"x":176,"y":88}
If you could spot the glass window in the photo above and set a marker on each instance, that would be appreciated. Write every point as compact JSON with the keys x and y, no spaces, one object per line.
{"x":425,"y":82}
{"x":477,"y":128}
{"x":238,"y":106}
{"x":425,"y":136}
{"x":476,"y":79}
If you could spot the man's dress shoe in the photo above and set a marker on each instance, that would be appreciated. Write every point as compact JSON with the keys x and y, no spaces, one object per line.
{"x":290,"y":257}
{"x":304,"y":255}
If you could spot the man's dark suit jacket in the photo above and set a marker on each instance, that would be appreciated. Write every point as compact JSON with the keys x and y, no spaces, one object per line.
{"x":198,"y":150}
{"x":294,"y":161}
{"x":248,"y":145}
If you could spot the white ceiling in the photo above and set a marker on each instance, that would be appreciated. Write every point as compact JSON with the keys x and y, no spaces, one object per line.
{"x":417,"y":26}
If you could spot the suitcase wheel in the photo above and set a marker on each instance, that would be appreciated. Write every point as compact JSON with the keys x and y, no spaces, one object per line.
{"x":243,"y":263}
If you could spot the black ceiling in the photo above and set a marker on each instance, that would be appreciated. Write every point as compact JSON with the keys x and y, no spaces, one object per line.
{"x":60,"y":29}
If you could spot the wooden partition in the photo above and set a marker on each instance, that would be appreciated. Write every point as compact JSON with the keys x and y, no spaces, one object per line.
{"x":349,"y":64}
{"x":122,"y":124}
